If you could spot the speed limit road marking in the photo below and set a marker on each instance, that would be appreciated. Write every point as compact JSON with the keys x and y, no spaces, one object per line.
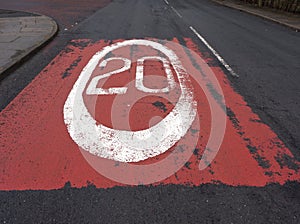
{"x":127,"y":145}
{"x":135,"y":102}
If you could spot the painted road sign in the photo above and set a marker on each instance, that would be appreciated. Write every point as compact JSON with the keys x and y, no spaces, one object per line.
{"x":127,"y":145}
{"x":130,"y":90}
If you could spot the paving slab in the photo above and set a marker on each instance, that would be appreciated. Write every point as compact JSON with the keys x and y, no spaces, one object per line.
{"x":21,"y":33}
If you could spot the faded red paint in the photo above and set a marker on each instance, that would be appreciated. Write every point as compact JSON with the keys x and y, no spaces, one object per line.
{"x":37,"y":152}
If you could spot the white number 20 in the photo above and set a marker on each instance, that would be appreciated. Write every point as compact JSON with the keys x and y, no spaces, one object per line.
{"x":139,"y":81}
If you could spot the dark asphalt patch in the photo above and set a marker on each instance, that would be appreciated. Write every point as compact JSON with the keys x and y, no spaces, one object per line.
{"x":286,"y":160}
{"x":161,"y":204}
{"x":160,"y":105}
{"x":72,"y":66}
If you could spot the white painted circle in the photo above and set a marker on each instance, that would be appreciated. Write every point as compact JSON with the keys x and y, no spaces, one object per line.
{"x":124,"y":145}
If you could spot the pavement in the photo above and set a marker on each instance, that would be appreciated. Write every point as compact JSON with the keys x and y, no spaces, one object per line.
{"x":283,"y":18}
{"x":22,"y":33}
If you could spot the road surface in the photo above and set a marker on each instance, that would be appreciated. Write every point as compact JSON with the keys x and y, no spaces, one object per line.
{"x":258,"y":182}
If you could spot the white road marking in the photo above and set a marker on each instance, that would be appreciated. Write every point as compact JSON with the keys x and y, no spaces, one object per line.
{"x":139,"y":80}
{"x":124,"y":145}
{"x":166,"y":1}
{"x":178,"y":14}
{"x":92,"y":88}
{"x":223,"y":62}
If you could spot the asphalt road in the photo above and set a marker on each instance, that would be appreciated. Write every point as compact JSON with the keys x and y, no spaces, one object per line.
{"x":264,"y":55}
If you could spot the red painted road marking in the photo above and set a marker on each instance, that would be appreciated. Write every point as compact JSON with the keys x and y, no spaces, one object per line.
{"x":126,"y":145}
{"x":38,"y":153}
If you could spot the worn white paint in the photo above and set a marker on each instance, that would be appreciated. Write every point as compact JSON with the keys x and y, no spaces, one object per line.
{"x":92,"y":88}
{"x":218,"y":56}
{"x":177,"y":13}
{"x":166,"y":1}
{"x":139,"y":79}
{"x":124,"y":145}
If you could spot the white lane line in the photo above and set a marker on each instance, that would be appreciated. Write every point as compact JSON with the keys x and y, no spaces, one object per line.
{"x":178,"y":14}
{"x":223,"y":62}
{"x":166,"y":1}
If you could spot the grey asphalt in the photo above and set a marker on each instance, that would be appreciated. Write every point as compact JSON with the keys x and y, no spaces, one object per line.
{"x":266,"y":57}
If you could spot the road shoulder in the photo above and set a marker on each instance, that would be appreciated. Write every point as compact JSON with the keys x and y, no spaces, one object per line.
{"x":287,"y":19}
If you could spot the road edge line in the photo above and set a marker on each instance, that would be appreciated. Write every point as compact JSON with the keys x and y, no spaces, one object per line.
{"x":216,"y":54}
